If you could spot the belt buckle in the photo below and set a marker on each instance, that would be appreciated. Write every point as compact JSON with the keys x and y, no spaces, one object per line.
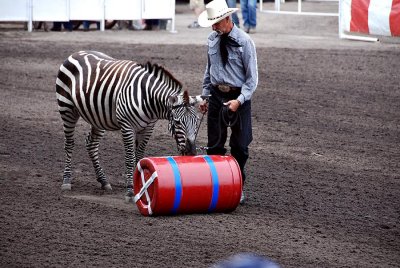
{"x":224,"y":88}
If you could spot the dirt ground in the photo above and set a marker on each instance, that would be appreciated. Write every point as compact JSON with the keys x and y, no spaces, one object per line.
{"x":323,"y":177}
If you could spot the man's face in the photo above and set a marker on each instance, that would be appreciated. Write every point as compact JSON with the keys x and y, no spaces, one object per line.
{"x":222,"y":26}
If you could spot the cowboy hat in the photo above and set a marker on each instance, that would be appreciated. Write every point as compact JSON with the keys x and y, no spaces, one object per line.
{"x":215,"y":11}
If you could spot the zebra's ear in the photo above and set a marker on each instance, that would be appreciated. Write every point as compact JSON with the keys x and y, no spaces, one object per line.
{"x":186,"y":98}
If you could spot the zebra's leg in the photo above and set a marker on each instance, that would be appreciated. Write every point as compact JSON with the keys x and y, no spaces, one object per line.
{"x":70,"y":118}
{"x":92,"y":147}
{"x":128,"y":137}
{"x":142,"y":138}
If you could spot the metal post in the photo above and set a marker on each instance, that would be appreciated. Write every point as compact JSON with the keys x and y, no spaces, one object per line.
{"x":30,"y":22}
{"x":69,"y":10}
{"x":278,"y":5}
{"x":340,"y":22}
{"x":173,"y":18}
{"x":103,"y":19}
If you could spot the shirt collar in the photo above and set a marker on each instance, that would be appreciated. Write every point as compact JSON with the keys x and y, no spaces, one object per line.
{"x":235,"y":35}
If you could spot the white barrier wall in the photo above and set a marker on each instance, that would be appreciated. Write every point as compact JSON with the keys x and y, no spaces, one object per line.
{"x":55,"y":10}
{"x":125,"y":9}
{"x":99,"y":10}
{"x":157,"y":9}
{"x":15,"y":10}
{"x":86,"y":10}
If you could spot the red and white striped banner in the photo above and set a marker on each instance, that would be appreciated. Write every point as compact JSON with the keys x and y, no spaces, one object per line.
{"x":376,"y":17}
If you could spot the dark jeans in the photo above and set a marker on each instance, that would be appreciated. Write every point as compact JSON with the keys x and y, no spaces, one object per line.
{"x":86,"y":24}
{"x":241,"y":135}
{"x":67,"y":25}
{"x":235,"y":17}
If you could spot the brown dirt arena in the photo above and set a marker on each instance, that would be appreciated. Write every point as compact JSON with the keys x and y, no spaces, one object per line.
{"x":323,"y":178}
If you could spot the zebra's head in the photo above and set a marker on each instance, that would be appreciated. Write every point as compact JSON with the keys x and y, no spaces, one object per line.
{"x":183,"y":121}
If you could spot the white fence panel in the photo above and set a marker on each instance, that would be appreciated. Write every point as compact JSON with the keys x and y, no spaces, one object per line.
{"x":158,"y":9}
{"x":123,"y":9}
{"x":94,"y":10}
{"x":54,"y":10}
{"x":299,"y":11}
{"x":86,"y":10}
{"x":15,"y":10}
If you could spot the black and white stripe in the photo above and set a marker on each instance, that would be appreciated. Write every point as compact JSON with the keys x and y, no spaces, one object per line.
{"x":113,"y":94}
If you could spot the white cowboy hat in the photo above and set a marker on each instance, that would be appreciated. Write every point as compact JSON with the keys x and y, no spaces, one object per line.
{"x":215,"y":11}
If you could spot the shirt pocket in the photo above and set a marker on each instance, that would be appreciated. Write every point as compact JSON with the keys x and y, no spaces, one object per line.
{"x":235,"y":53}
{"x":213,"y":56}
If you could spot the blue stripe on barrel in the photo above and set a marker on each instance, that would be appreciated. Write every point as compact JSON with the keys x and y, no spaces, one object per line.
{"x":178,"y":184}
{"x":215,"y":183}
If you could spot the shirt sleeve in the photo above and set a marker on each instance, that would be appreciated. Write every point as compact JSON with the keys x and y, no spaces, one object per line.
{"x":207,"y":80}
{"x":251,"y":71}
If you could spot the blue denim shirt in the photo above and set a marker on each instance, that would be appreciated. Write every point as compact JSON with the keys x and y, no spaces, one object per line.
{"x":241,"y":69}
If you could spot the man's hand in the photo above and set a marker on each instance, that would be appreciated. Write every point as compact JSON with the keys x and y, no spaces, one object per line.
{"x":233,"y":105}
{"x":203,"y":106}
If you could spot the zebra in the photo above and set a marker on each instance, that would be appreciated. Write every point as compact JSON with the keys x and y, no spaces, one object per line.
{"x":112,"y":94}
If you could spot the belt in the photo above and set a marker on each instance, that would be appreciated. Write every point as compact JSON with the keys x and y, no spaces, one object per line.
{"x":226,"y":88}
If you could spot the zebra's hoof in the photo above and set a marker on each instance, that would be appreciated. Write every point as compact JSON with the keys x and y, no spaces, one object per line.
{"x":107,"y":187}
{"x":66,"y":187}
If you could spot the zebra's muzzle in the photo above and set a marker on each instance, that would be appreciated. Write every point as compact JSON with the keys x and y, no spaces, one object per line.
{"x":189,"y":149}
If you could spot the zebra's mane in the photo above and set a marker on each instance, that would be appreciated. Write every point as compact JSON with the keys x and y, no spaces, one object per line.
{"x":155,"y":69}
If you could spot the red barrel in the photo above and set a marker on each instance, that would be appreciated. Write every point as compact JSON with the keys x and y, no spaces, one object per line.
{"x":187,"y":184}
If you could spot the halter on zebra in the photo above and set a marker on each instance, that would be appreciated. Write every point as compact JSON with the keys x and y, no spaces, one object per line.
{"x":112,"y":94}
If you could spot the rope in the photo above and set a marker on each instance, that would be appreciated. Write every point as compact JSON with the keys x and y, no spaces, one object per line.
{"x":226,"y":118}
{"x":198,"y":128}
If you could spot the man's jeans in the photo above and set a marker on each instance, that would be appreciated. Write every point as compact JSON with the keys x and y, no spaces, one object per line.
{"x":235,"y":17}
{"x":249,"y":13}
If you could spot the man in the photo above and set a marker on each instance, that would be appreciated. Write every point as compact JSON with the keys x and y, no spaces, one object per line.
{"x":231,"y":77}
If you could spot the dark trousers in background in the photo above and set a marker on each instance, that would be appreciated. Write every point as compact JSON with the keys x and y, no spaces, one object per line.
{"x":67,"y":26}
{"x":217,"y":131}
{"x":86,"y":25}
